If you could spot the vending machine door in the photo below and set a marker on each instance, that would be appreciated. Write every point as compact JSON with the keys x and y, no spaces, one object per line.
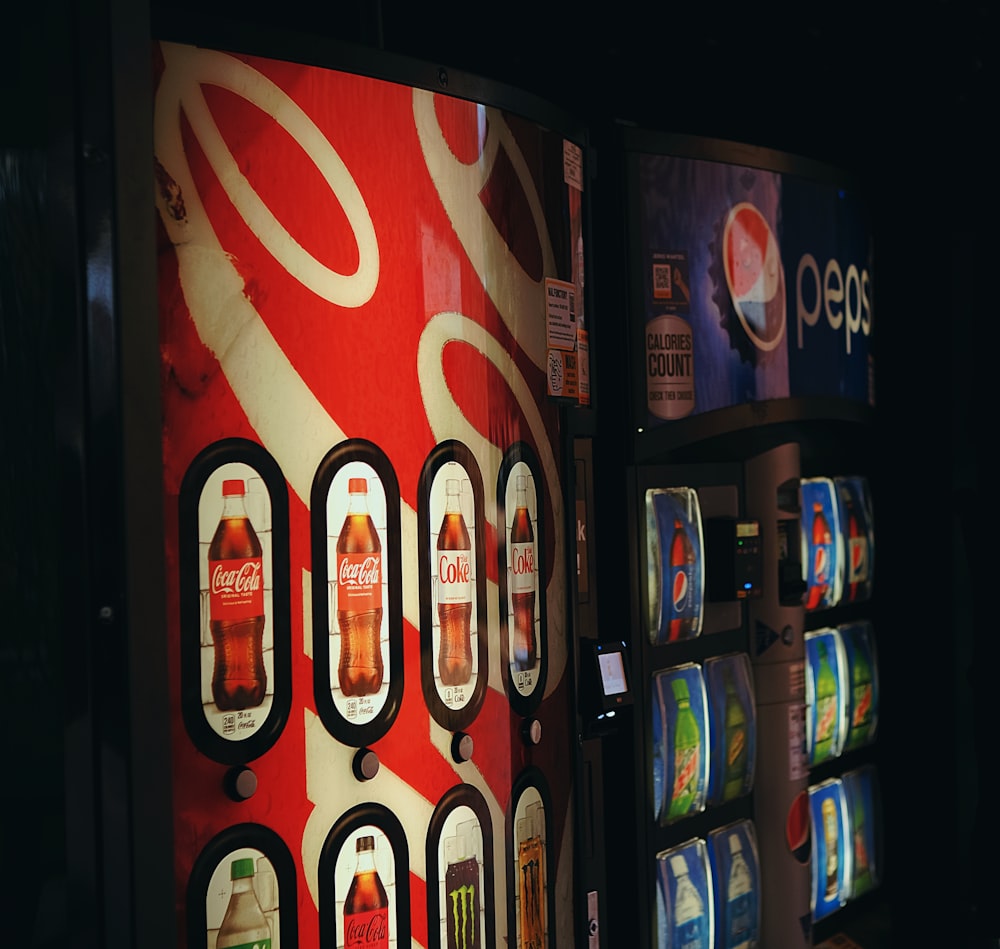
{"x":371,"y":326}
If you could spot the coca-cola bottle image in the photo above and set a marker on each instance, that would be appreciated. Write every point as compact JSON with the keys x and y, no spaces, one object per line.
{"x":244,"y":923}
{"x":236,"y":605}
{"x":359,"y":596}
{"x":366,"y":910}
{"x":682,"y":584}
{"x":522,"y":582}
{"x":454,"y":577}
{"x":822,"y":542}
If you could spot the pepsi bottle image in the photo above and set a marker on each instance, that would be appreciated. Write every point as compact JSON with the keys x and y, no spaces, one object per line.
{"x":682,"y":585}
{"x":822,"y":559}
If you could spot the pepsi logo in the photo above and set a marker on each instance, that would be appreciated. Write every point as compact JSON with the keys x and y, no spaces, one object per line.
{"x":821,"y":563}
{"x":680,"y":589}
{"x":755,"y":275}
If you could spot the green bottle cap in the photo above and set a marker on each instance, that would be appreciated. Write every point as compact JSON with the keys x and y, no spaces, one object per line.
{"x":680,"y":688}
{"x":241,"y":868}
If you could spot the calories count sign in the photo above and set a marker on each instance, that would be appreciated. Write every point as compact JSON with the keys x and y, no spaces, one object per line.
{"x":669,"y":367}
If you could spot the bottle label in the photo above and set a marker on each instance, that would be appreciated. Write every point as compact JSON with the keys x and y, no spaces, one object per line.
{"x":522,"y":568}
{"x":857,"y":569}
{"x":826,"y":713}
{"x":862,"y":704}
{"x":367,"y":929}
{"x":682,"y":590}
{"x":686,"y":771}
{"x":454,"y":576}
{"x":236,"y":588}
{"x":359,"y":582}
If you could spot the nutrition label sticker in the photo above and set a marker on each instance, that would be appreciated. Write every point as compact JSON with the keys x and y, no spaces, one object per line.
{"x":797,"y":764}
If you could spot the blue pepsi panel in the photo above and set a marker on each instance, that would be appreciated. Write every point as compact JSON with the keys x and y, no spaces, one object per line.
{"x":680,"y":691}
{"x":732,"y":711}
{"x":822,"y":543}
{"x":826,"y":695}
{"x":831,"y":855}
{"x":732,"y":855}
{"x":686,"y":900}
{"x":855,"y":509}
{"x":861,"y":792}
{"x":756,"y":285}
{"x":675,"y":569}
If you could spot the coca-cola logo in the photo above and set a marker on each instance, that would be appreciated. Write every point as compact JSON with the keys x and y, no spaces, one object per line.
{"x":454,"y":569}
{"x":238,"y":580}
{"x":522,"y":561}
{"x":360,"y":572}
{"x":366,"y":930}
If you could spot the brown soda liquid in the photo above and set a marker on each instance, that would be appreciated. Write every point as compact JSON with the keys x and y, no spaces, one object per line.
{"x":239,"y":679}
{"x":366,"y":914}
{"x":525,"y":646}
{"x":455,"y":656}
{"x":361,"y":668}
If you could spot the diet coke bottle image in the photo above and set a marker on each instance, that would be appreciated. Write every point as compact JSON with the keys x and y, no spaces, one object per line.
{"x":236,"y":605}
{"x":522,"y":581}
{"x":454,"y":591}
{"x":359,"y":596}
{"x":366,"y":910}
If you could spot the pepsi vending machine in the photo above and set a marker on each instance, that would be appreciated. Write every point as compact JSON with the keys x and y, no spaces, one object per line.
{"x":374,"y":379}
{"x":749,"y":530}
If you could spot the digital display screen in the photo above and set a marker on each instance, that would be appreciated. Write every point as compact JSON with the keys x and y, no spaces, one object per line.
{"x":612,"y":673}
{"x":748,"y":528}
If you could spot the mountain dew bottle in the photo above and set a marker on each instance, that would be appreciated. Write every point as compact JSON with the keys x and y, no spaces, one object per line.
{"x":826,"y":707}
{"x":687,"y":753}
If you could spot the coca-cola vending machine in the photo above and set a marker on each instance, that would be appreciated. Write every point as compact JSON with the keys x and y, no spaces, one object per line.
{"x":750,"y":495}
{"x":375,"y":393}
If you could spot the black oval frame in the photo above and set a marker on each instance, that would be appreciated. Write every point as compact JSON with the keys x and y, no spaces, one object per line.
{"x":452,"y":719}
{"x":233,"y":838}
{"x":209,"y":460}
{"x":522,"y":452}
{"x":378,"y":816}
{"x":355,"y":449}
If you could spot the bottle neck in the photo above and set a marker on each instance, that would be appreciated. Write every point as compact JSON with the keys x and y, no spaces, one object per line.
{"x":366,"y":862}
{"x":234,"y":506}
{"x":242,"y":885}
{"x":357,"y":503}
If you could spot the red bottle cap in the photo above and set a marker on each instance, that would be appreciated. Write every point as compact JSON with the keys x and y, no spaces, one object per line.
{"x":233,"y":487}
{"x":357,"y":486}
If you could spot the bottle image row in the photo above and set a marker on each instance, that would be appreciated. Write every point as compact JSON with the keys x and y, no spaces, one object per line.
{"x":842,"y":693}
{"x":245,"y":875}
{"x":235,"y":591}
{"x":708,"y":892}
{"x":836,"y":540}
{"x":703,"y":736}
{"x":845,"y":819}
{"x":838,"y":544}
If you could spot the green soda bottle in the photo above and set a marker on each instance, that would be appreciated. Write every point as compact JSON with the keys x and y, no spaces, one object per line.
{"x":826,"y":707}
{"x":861,"y":697}
{"x":736,"y":749}
{"x":687,"y":753}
